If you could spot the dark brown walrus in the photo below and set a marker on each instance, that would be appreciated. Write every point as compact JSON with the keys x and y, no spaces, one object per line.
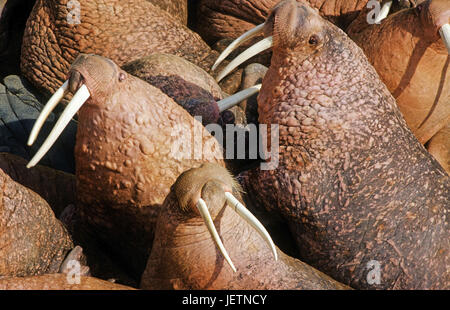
{"x":366,"y":202}
{"x":122,"y":30}
{"x":184,"y":255}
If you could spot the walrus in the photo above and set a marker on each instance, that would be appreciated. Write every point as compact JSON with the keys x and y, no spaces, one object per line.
{"x":188,"y":85}
{"x":412,"y":60}
{"x":32,"y":240}
{"x":184,"y":256}
{"x":132,"y":143}
{"x":367,"y":204}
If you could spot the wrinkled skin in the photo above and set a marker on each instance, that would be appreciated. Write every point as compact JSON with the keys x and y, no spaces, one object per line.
{"x":415,"y":67}
{"x":32,"y":240}
{"x":20,"y":106}
{"x":55,"y":187}
{"x":57,"y":282}
{"x":176,"y":8}
{"x":125,"y":164}
{"x":230,"y":18}
{"x":120,"y":30}
{"x":13,"y":16}
{"x":188,"y":85}
{"x":352,"y":180}
{"x":184,"y":255}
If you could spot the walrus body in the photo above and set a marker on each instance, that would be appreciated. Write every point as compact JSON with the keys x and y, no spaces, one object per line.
{"x":356,"y":186}
{"x":412,"y":61}
{"x":58,"y":282}
{"x":32,"y":240}
{"x":185,"y":257}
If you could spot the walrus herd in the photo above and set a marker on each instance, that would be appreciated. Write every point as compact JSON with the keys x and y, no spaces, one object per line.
{"x":342,"y":182}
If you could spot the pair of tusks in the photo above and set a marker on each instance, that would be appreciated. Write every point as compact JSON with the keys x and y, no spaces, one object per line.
{"x":444,"y":31}
{"x":245,"y":214}
{"x":268,"y":43}
{"x":79,"y":99}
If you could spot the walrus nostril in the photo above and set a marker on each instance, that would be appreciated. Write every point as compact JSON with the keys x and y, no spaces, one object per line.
{"x":313,"y":40}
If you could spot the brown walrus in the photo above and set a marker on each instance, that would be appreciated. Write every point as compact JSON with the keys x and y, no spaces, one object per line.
{"x":366,"y":202}
{"x":184,"y":255}
{"x":132,"y":143}
{"x":412,"y":60}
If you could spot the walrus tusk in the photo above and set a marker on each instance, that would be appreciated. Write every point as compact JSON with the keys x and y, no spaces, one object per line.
{"x":72,"y":108}
{"x":238,"y":42}
{"x":203,"y":209}
{"x":233,"y":100}
{"x":384,"y":12}
{"x":252,"y":220}
{"x":48,"y":108}
{"x":445,"y":35}
{"x":253,"y":50}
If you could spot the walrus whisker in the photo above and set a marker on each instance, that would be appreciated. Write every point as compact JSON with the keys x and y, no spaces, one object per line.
{"x":252,"y":220}
{"x":253,"y":50}
{"x":384,"y":12}
{"x":445,"y":35}
{"x":203,"y":209}
{"x":233,"y":100}
{"x":238,"y":42}
{"x":72,"y":108}
{"x":48,"y":108}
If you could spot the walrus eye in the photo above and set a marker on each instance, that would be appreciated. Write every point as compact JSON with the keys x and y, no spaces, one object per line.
{"x":313,"y":40}
{"x":122,"y":76}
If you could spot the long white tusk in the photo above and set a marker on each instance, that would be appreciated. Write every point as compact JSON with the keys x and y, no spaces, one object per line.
{"x":238,"y":42}
{"x":253,"y":50}
{"x":252,"y":220}
{"x":233,"y":100}
{"x":48,"y":108}
{"x":203,"y":209}
{"x":72,"y":108}
{"x":384,"y":12}
{"x":445,"y":35}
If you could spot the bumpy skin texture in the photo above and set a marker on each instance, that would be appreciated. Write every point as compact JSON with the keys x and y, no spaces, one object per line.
{"x":415,"y":68}
{"x":13,"y":16}
{"x":126,"y":155}
{"x":352,"y":180}
{"x":439,"y":147}
{"x":176,"y":8}
{"x":32,"y":240}
{"x":120,"y":30}
{"x":187,"y":84}
{"x":20,"y":106}
{"x":57,"y":282}
{"x":218,"y":19}
{"x":56,"y":187}
{"x":184,"y":255}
